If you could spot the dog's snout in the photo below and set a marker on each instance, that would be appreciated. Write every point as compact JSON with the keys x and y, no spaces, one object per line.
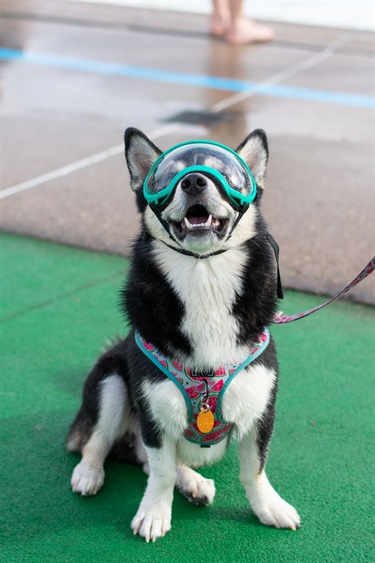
{"x":194,"y":183}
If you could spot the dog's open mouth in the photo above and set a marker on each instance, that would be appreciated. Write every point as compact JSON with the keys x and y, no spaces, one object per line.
{"x":199,"y":221}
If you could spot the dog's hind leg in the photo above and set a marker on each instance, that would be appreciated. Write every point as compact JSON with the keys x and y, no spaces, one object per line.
{"x":88,"y":475}
{"x":265,"y":502}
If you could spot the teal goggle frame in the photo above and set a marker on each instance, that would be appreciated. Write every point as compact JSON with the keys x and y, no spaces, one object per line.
{"x":162,"y":196}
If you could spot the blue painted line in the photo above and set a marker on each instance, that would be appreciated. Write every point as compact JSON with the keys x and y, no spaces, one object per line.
{"x":324,"y":96}
{"x":202,"y":81}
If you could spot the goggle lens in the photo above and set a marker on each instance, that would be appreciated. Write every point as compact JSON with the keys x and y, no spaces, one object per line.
{"x":213,"y":159}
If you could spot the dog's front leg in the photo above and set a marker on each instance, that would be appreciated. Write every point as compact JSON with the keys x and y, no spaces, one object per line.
{"x":153,"y":519}
{"x":265,"y":502}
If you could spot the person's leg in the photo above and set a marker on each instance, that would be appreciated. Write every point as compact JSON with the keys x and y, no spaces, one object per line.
{"x":242,"y":31}
{"x":220,"y":18}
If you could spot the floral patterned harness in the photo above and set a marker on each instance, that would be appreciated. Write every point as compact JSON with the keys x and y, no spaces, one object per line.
{"x":204,"y":388}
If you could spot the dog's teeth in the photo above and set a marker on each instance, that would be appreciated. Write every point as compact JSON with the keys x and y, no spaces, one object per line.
{"x":186,"y":223}
{"x":208,"y":222}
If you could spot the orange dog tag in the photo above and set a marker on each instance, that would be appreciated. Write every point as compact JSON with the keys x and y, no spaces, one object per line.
{"x":205,"y":421}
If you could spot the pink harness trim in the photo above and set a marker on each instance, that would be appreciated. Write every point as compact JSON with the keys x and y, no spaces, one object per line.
{"x":208,"y":387}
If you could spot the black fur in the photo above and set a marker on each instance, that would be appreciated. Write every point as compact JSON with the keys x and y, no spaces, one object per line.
{"x":155,"y":310}
{"x":153,"y":307}
{"x":255,"y":307}
{"x":151,"y":304}
{"x":266,"y":422}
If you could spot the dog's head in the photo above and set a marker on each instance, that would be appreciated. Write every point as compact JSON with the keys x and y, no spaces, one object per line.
{"x":199,"y":196}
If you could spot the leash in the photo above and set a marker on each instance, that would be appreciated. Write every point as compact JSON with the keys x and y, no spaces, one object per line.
{"x":367,"y":270}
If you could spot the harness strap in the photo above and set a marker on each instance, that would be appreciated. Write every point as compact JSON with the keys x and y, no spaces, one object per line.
{"x":256,"y":351}
{"x":149,"y":353}
{"x":200,"y":387}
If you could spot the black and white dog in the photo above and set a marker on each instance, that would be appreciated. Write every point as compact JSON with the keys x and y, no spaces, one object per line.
{"x":198,"y":366}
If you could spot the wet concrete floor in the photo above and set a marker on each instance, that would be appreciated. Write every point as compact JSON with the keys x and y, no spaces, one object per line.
{"x":74,"y":75}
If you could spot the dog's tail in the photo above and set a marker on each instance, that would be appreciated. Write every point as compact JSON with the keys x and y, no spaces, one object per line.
{"x":83,"y":425}
{"x":79,"y":432}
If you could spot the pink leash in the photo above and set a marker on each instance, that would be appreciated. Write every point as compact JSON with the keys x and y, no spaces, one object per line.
{"x":367,"y":270}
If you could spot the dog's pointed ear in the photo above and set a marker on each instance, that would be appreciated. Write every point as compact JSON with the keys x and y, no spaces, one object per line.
{"x":254,"y":151}
{"x":140,"y":154}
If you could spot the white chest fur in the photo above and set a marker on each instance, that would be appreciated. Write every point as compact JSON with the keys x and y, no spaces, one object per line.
{"x":208,"y":290}
{"x":244,"y":402}
{"x":247,"y":397}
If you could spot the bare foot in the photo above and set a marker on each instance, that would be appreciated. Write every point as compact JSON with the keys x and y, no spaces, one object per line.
{"x":247,"y":31}
{"x":219,"y":25}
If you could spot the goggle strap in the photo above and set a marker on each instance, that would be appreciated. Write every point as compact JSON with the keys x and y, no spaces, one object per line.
{"x":244,"y":208}
{"x":180,"y":250}
{"x":275,"y":248}
{"x":197,"y":256}
{"x":268,"y":236}
{"x":158,"y":212}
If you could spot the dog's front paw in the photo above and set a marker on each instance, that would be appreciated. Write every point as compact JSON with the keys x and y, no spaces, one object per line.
{"x":275,"y":511}
{"x":194,"y":487}
{"x":87,"y":479}
{"x":152,"y":523}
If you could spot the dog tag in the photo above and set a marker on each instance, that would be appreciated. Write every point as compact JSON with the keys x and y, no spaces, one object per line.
{"x":205,"y":421}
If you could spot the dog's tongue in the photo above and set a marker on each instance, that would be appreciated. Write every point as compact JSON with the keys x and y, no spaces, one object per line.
{"x":197,"y":220}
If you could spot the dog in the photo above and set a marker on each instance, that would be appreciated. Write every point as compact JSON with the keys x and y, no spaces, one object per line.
{"x":198,"y":367}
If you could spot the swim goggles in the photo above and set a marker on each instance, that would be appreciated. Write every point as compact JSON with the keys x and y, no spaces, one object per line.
{"x":214,"y":160}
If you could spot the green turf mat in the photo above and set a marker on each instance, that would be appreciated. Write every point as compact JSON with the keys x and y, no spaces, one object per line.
{"x":59,"y":305}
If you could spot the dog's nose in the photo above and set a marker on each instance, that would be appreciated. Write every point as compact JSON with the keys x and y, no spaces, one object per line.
{"x":194,"y":183}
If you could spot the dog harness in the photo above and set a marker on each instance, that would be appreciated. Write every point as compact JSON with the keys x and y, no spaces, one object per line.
{"x":203,"y":392}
